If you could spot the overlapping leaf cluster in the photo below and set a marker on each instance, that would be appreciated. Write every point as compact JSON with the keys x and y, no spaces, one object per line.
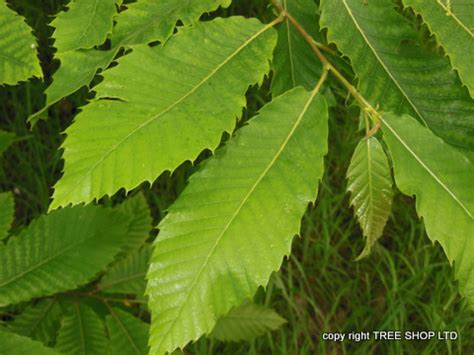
{"x":173,"y":92}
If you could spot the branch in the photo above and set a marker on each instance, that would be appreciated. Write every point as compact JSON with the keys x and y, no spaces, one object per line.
{"x":367,"y":107}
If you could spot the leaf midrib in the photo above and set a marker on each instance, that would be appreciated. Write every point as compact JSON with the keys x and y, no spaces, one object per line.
{"x":454,"y":16}
{"x":125,"y":330}
{"x":173,"y":105}
{"x":239,"y":208}
{"x":46,"y":261}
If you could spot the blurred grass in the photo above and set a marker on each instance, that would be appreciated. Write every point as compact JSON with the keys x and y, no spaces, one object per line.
{"x":406,"y":284}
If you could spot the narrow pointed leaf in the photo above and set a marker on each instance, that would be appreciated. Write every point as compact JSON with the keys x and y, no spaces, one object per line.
{"x":18,"y":55}
{"x":85,"y":24}
{"x":6,"y":213}
{"x":441,"y":178}
{"x":127,"y":276}
{"x":400,"y":77}
{"x":294,"y":62}
{"x":140,"y":225}
{"x":14,"y":344}
{"x":369,"y":182}
{"x":82,"y":332}
{"x":150,"y":20}
{"x":150,"y":116}
{"x":234,"y":223}
{"x":453,"y":33}
{"x":39,"y":321}
{"x":246,"y":322}
{"x":128,"y":334}
{"x":48,"y":256}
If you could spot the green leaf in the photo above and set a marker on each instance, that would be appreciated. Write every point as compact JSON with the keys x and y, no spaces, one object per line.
{"x":7,"y":205}
{"x":84,"y":25}
{"x":18,"y":56}
{"x":294,"y":62}
{"x":146,"y":21}
{"x":149,"y":118}
{"x":127,"y":276}
{"x":246,"y":322}
{"x":38,"y":321}
{"x":77,"y":69}
{"x":6,"y":139}
{"x":128,"y":334}
{"x":400,"y":77}
{"x":453,"y":34}
{"x":81,"y":332}
{"x":14,"y":344}
{"x":369,"y":182}
{"x":49,"y":255}
{"x":441,"y":178}
{"x":137,"y":210}
{"x":233,"y":224}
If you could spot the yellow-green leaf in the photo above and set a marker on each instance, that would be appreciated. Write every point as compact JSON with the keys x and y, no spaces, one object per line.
{"x":442,"y":180}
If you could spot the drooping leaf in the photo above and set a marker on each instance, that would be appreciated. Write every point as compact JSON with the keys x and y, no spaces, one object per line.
{"x":85,"y":24}
{"x":294,"y":63}
{"x":136,"y":208}
{"x":18,"y":56}
{"x":59,"y":252}
{"x":128,"y":334}
{"x":150,"y":117}
{"x":369,"y":182}
{"x":127,"y":276}
{"x":442,"y":180}
{"x":39,"y":321}
{"x":453,"y":34}
{"x":232,"y":225}
{"x":6,"y":213}
{"x":82,"y":331}
{"x":150,"y":20}
{"x":77,"y":69}
{"x":246,"y":322}
{"x":6,"y":139}
{"x":400,"y":77}
{"x":14,"y":344}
